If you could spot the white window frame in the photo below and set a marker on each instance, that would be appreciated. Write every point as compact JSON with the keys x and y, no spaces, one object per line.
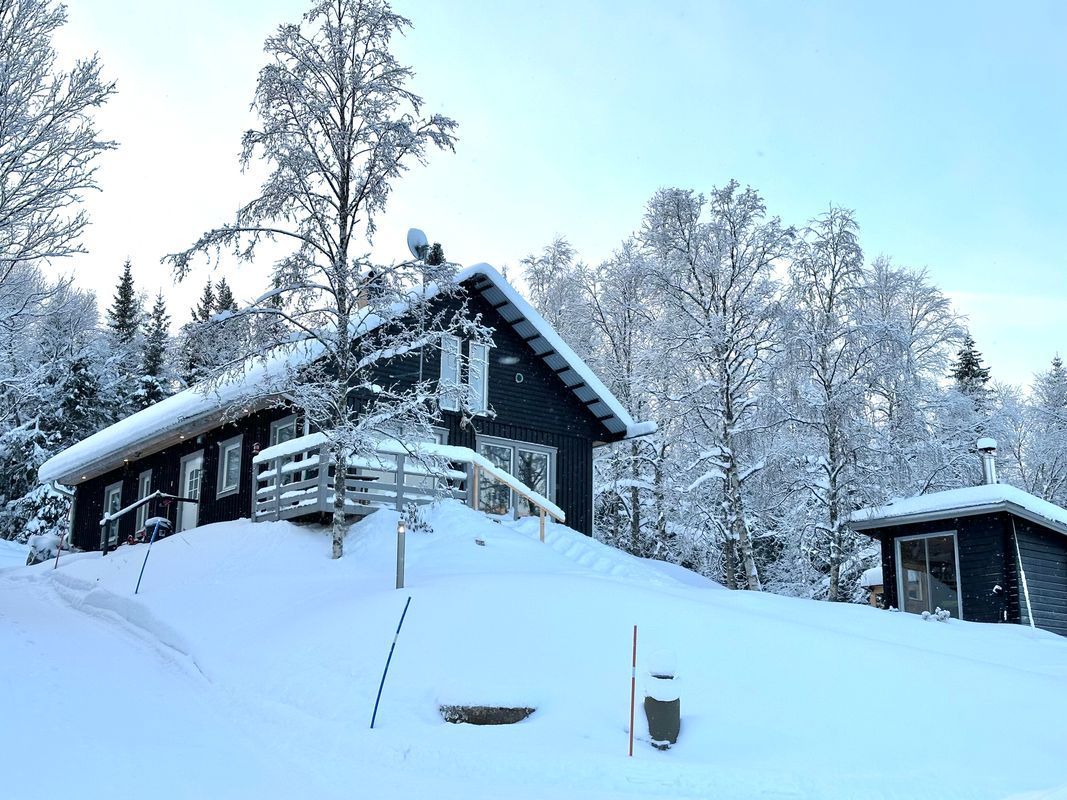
{"x":111,"y":530}
{"x":449,"y":383}
{"x":278,"y":424}
{"x":225,"y":448}
{"x":144,"y":488}
{"x":900,"y":572}
{"x":478,"y":378}
{"x":515,"y":445}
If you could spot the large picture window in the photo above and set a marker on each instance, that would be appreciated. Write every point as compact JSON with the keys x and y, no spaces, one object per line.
{"x":928,"y":573}
{"x":534,"y":465}
{"x":449,"y":384}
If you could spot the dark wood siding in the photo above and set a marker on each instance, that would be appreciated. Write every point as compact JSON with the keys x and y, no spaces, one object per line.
{"x":165,"y":466}
{"x":1044,"y":562}
{"x":982,"y":542}
{"x":539,"y":409}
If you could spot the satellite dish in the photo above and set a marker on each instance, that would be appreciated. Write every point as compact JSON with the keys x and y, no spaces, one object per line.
{"x":417,"y":243}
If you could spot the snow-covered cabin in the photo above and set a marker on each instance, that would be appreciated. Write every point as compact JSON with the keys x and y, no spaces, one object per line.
{"x":990,"y":553}
{"x":534,"y":452}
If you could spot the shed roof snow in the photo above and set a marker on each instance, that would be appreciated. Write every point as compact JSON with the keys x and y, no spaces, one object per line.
{"x":964,"y":502}
{"x":199,"y":407}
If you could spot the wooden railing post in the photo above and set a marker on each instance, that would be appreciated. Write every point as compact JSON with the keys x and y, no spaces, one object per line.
{"x":542,"y":524}
{"x":474,"y":486}
{"x":324,"y":480}
{"x":277,"y":463}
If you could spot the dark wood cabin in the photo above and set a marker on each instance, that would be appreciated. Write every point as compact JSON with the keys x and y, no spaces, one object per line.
{"x":990,"y":553}
{"x":549,"y":412}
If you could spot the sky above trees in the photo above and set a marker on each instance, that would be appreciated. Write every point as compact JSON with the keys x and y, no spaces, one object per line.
{"x":944,"y":126}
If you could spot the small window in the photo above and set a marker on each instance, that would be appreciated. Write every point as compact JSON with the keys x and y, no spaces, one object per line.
{"x":144,"y":488}
{"x":283,"y":430}
{"x":478,"y":378}
{"x":449,"y":383}
{"x":113,"y":503}
{"x":229,"y":481}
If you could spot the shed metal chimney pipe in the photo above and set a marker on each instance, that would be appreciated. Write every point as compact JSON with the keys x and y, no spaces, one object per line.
{"x":987,"y":448}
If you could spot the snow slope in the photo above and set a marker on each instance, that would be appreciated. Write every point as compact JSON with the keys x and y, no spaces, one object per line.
{"x":248,"y":666}
{"x":12,"y":554}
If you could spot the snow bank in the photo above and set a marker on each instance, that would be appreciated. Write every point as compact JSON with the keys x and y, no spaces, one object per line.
{"x":249,"y":664}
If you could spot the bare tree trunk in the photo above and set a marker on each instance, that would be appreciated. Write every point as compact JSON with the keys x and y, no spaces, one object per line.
{"x":735,"y":510}
{"x":730,"y":568}
{"x":339,"y":523}
{"x":833,"y":502}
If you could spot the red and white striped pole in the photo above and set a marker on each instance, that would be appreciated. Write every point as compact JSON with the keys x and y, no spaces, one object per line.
{"x":633,"y":692}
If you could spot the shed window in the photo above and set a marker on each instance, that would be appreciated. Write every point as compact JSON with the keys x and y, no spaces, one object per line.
{"x":928,"y":573}
{"x":229,"y":480}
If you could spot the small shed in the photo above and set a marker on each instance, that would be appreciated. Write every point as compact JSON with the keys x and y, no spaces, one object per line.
{"x":990,"y":553}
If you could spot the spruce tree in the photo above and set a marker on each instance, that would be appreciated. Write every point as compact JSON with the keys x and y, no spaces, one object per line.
{"x":224,"y":300}
{"x":205,"y":309}
{"x":154,"y":381}
{"x":124,"y":316}
{"x":968,"y":372}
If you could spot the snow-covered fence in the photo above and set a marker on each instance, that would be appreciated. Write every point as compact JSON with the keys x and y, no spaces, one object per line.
{"x":295,"y":478}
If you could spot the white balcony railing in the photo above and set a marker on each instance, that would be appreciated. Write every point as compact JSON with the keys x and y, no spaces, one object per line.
{"x":296,"y":479}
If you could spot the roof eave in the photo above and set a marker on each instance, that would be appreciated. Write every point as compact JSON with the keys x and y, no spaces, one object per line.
{"x":955,"y":513}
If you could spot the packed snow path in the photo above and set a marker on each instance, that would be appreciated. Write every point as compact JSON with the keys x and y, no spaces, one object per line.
{"x":248,"y":667}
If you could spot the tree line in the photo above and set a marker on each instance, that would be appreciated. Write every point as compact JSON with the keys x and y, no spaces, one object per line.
{"x":793,"y":380}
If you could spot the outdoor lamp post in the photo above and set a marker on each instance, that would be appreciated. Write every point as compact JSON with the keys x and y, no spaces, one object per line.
{"x":400,"y":531}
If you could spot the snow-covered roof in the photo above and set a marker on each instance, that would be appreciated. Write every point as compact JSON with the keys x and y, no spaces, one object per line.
{"x":961,"y":503}
{"x":200,"y":408}
{"x":871,"y":577}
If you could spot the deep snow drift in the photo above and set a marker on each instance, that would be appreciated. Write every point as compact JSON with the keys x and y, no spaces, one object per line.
{"x":248,"y":665}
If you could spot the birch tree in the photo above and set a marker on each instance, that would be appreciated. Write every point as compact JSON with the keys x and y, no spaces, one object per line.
{"x":49,"y":144}
{"x":337,"y":126}
{"x":719,"y":289}
{"x":834,"y":353}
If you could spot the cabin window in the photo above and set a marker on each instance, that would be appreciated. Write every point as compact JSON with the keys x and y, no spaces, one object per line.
{"x":283,"y":430}
{"x":112,"y":504}
{"x":229,"y":480}
{"x":478,"y":378}
{"x":533,"y":465}
{"x":144,"y":488}
{"x":449,"y":383}
{"x":928,"y":568}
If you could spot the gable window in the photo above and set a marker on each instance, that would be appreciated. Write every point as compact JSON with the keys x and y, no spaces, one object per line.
{"x":449,"y":383}
{"x":229,"y":479}
{"x":112,"y":503}
{"x":478,"y":378}
{"x":144,"y":488}
{"x":533,"y":465}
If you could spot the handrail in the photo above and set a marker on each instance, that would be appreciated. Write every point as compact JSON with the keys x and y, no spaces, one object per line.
{"x":109,"y":517}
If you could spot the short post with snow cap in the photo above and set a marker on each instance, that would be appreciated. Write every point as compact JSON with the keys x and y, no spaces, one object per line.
{"x":401,"y":530}
{"x":662,"y":703}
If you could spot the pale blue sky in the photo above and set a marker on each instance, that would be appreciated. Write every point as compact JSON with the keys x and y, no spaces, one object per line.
{"x":944,"y":125}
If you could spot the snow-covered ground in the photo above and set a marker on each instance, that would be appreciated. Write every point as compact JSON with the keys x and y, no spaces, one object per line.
{"x":248,"y":666}
{"x":12,"y":554}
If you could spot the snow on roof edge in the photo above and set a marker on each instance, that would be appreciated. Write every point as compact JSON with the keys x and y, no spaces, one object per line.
{"x":966,"y":501}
